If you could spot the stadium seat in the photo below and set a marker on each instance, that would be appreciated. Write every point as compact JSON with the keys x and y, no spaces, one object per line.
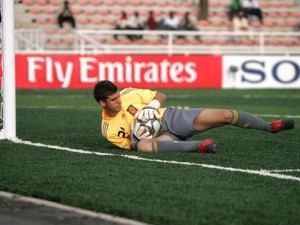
{"x":76,"y":11}
{"x":82,"y":2}
{"x":103,"y":12}
{"x":50,"y":31}
{"x":140,"y":42}
{"x":288,"y":43}
{"x":42,"y":21}
{"x":112,"y":41}
{"x":50,"y":11}
{"x":121,"y":3}
{"x":109,"y":21}
{"x":53,"y":21}
{"x":42,"y":2}
{"x":95,"y":2}
{"x":82,"y":21}
{"x":108,"y":2}
{"x":180,"y":42}
{"x":148,"y":3}
{"x":96,"y":21}
{"x":194,"y":42}
{"x":89,"y":12}
{"x":135,"y":3}
{"x":153,"y":42}
{"x":207,"y":42}
{"x":272,"y":42}
{"x":55,"y":2}
{"x":162,"y":3}
{"x":68,"y":41}
{"x":55,"y":41}
{"x":187,"y":4}
{"x":35,"y":11}
{"x":221,"y":42}
{"x":28,"y":2}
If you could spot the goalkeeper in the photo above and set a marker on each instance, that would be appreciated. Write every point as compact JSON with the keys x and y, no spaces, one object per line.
{"x":178,"y":124}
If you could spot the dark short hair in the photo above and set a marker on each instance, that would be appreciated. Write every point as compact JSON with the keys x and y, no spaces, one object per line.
{"x":103,"y":89}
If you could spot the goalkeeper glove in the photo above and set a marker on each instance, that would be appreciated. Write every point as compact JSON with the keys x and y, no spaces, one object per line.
{"x":138,"y":133}
{"x":149,"y":112}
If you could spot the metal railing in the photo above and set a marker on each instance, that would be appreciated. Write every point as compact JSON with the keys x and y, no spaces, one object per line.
{"x":167,"y":42}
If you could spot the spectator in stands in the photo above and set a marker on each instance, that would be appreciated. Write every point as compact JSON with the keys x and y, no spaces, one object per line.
{"x":171,"y":22}
{"x":187,"y":24}
{"x":151,"y":22}
{"x":252,"y":8}
{"x":122,"y":24}
{"x":136,"y":23}
{"x":297,"y":27}
{"x":66,"y":16}
{"x":234,"y":7}
{"x":239,"y":22}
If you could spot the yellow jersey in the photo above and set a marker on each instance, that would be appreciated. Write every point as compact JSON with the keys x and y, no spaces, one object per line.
{"x":117,"y":129}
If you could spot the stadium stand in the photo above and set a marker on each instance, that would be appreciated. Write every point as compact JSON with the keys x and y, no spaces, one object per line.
{"x":280,"y":16}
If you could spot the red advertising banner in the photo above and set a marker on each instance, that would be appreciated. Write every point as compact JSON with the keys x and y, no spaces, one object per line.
{"x":73,"y":71}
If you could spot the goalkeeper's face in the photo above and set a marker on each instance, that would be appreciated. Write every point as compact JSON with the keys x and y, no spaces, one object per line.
{"x":113,"y":103}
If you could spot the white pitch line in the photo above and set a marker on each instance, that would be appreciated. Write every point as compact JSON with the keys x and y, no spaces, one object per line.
{"x":256,"y":172}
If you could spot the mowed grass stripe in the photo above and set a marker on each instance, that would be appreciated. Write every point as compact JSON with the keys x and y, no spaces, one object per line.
{"x":230,"y":169}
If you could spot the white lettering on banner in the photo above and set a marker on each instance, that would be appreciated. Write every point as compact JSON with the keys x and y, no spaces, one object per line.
{"x":47,"y":64}
{"x":33,"y":66}
{"x":64,"y":78}
{"x":137,"y":72}
{"x":84,"y":69}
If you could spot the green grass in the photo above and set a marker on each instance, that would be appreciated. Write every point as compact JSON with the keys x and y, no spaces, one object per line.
{"x":153,"y":192}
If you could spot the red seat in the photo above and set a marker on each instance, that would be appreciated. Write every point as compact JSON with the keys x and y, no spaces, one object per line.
{"x":50,"y":11}
{"x":55,"y":41}
{"x":28,"y":2}
{"x":35,"y":11}
{"x":287,"y":43}
{"x":42,"y":21}
{"x":50,"y":31}
{"x":135,"y":3}
{"x":82,"y":21}
{"x":89,"y":12}
{"x":103,"y":12}
{"x":207,"y":42}
{"x":82,"y":2}
{"x":153,"y":42}
{"x":95,"y":2}
{"x":76,"y":11}
{"x":42,"y":2}
{"x":180,"y":42}
{"x":96,"y":21}
{"x":55,"y":2}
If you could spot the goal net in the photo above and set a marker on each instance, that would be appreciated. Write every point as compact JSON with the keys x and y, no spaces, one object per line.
{"x":7,"y":80}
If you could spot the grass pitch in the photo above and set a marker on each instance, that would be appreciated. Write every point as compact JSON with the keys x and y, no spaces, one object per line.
{"x":157,"y":192}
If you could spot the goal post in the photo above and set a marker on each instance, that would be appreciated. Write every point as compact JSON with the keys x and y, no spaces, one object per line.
{"x":8,"y":88}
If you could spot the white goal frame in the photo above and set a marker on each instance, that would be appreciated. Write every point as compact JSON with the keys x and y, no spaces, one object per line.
{"x":8,"y":68}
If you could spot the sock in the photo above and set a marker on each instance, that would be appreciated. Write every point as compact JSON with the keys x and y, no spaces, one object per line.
{"x":175,"y":146}
{"x":248,"y":121}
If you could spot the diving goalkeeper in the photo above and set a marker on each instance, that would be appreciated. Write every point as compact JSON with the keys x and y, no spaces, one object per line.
{"x":178,"y":124}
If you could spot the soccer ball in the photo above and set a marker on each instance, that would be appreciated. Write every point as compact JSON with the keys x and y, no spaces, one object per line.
{"x":153,"y":126}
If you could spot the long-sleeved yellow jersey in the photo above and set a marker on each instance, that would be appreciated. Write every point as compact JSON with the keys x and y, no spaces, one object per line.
{"x":117,"y":130}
